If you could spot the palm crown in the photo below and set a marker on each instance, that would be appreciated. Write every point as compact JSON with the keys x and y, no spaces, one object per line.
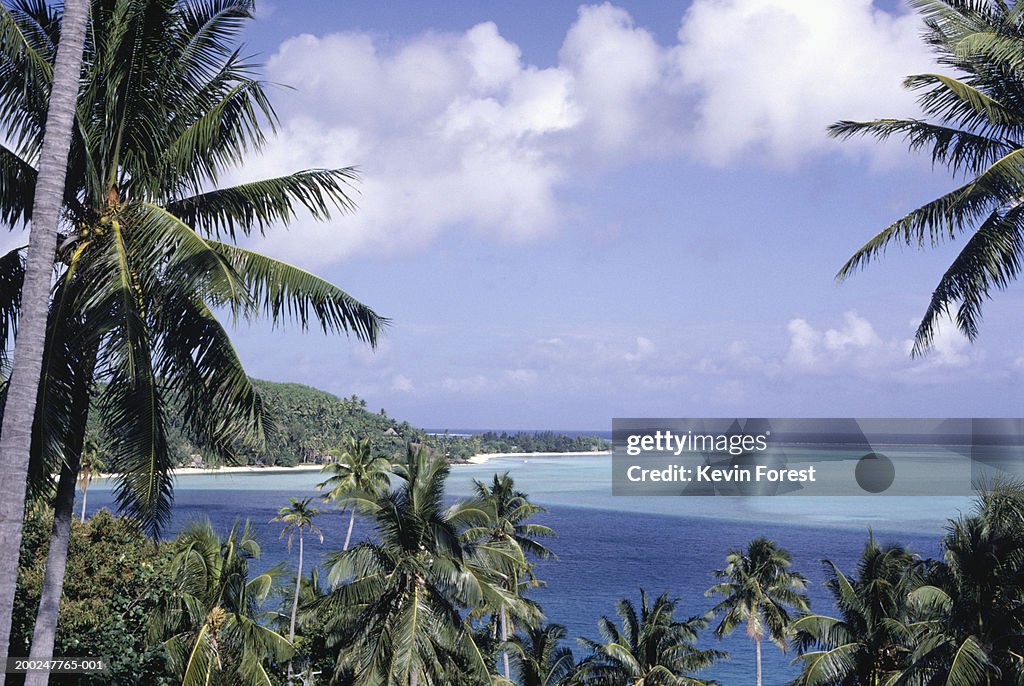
{"x":167,"y":107}
{"x":399,"y":606}
{"x":651,"y":648}
{"x":974,"y":125}
{"x":869,"y":640}
{"x":759,"y":590}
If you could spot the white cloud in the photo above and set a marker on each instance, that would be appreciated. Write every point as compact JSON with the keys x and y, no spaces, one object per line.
{"x":771,"y":75}
{"x":803,"y":345}
{"x":456,"y":131}
{"x":644,"y":349}
{"x":949,"y":349}
{"x":402,"y":384}
{"x":854,"y":347}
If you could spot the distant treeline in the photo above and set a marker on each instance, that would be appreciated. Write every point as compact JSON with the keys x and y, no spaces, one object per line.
{"x":310,"y":425}
{"x":463,"y":447}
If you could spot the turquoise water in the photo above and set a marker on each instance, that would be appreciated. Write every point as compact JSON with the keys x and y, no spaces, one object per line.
{"x":610,"y":546}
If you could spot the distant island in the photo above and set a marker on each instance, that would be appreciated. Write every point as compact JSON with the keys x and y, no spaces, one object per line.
{"x":311,"y":426}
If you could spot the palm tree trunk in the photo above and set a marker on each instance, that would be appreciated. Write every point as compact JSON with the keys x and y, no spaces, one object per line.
{"x":16,"y":430}
{"x":351,"y":521}
{"x":45,"y":632}
{"x":295,"y":606}
{"x":757,"y":649}
{"x":504,"y":638}
{"x":85,"y":491}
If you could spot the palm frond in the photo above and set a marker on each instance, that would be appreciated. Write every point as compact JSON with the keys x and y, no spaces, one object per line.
{"x":256,"y":206}
{"x":282,"y":291}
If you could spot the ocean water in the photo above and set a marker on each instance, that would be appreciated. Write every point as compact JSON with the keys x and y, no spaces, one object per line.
{"x":609,"y":547}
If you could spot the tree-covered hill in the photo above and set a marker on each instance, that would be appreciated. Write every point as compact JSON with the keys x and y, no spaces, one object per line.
{"x":311,"y":425}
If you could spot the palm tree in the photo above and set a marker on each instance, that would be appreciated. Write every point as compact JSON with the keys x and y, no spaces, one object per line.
{"x":651,"y":648}
{"x":90,"y":466}
{"x":540,"y":659}
{"x":357,"y":477}
{"x":967,"y":615}
{"x":507,"y":534}
{"x":312,"y":628}
{"x":972,"y":126}
{"x":298,"y":518}
{"x":396,"y":599}
{"x":166,"y":105}
{"x":210,"y":626}
{"x":45,"y":200}
{"x":869,"y":641}
{"x":758,"y":589}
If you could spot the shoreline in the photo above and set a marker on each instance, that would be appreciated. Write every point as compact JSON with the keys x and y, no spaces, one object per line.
{"x":236,"y":469}
{"x":482,"y":458}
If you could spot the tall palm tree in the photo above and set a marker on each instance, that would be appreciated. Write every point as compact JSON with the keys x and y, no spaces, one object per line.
{"x":297,"y":518}
{"x":507,"y":533}
{"x":972,"y":125}
{"x":60,"y":82}
{"x":166,"y":106}
{"x":397,"y":597}
{"x":356,"y":478}
{"x":759,"y":591}
{"x":651,"y":648}
{"x":90,"y":466}
{"x":210,"y":626}
{"x":540,"y":658}
{"x":968,"y":618}
{"x":869,"y":640}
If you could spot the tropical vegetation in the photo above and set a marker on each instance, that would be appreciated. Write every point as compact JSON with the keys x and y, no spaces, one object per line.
{"x":973,"y":113}
{"x":417,"y":599}
{"x":166,"y":107}
{"x":649,"y":648}
{"x":759,"y":593}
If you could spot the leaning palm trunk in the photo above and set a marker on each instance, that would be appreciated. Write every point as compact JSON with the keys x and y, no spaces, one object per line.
{"x":295,"y":606}
{"x":45,"y":632}
{"x":351,"y":521}
{"x":16,"y":433}
{"x":504,"y":641}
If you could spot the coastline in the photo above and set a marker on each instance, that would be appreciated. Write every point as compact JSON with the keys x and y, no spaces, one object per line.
{"x":240,"y":469}
{"x":484,"y":458}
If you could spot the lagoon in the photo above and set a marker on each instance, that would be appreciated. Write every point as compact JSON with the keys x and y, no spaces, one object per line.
{"x":609,"y":546}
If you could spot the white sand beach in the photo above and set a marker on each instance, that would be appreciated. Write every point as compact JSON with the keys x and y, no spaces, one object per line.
{"x":255,"y":469}
{"x":487,"y":457}
{"x":242,"y":469}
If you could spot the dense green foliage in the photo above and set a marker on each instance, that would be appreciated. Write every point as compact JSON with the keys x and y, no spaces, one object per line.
{"x":463,"y":447}
{"x":421,"y":601}
{"x":310,"y":425}
{"x":116,"y":579}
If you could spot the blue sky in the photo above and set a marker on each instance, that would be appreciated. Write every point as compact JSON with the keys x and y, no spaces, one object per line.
{"x":577,"y":212}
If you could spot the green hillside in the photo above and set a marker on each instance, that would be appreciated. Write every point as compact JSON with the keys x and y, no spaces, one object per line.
{"x":310,"y":425}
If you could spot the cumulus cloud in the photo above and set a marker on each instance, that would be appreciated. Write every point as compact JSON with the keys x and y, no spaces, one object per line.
{"x":949,"y":349}
{"x":855,"y":347}
{"x":644,"y":348}
{"x":854,"y":344}
{"x":771,"y":75}
{"x":455,"y":131}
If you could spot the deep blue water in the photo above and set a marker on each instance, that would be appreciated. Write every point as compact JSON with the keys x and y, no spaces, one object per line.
{"x":604,"y":554}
